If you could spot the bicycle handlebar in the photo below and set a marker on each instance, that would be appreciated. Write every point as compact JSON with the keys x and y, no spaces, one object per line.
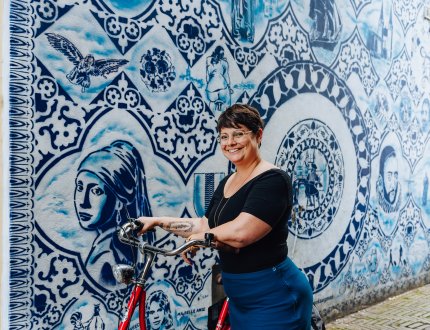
{"x":126,"y":236}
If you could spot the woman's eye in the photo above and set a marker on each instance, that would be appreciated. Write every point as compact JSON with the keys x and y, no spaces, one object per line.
{"x":97,"y":191}
{"x":79,"y":187}
{"x":238,"y":135}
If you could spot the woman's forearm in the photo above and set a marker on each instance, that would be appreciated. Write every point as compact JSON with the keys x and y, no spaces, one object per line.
{"x":242,"y":231}
{"x":183,"y":227}
{"x":223,"y":234}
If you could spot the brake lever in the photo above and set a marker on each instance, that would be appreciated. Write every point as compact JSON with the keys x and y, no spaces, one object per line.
{"x":125,"y":234}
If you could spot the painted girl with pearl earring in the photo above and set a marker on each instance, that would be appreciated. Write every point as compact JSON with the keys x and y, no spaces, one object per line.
{"x":109,"y":188}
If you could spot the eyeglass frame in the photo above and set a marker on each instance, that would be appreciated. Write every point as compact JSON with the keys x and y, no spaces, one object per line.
{"x":237,"y":136}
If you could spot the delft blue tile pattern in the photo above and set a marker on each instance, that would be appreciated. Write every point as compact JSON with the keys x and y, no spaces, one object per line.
{"x":113,"y":109}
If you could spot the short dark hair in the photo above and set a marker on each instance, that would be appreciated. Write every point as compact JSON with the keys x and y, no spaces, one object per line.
{"x":240,"y":114}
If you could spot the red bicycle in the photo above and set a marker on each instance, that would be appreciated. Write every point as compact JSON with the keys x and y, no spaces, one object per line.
{"x":127,"y":274}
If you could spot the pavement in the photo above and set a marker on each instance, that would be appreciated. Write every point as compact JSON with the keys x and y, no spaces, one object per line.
{"x":409,"y":310}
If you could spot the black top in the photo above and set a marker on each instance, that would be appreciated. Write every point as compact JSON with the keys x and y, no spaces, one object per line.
{"x":268,"y":196}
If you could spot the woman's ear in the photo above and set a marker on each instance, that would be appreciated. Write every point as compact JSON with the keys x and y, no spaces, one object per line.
{"x":259,"y":136}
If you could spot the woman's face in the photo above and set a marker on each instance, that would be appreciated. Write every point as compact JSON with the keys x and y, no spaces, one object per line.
{"x":239,"y":145}
{"x":94,"y":201}
{"x":155,"y":315}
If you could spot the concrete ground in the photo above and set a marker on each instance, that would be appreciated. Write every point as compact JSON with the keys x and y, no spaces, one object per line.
{"x":410,"y":310}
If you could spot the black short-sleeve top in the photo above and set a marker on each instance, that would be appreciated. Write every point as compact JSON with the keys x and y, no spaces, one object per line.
{"x":268,"y":196}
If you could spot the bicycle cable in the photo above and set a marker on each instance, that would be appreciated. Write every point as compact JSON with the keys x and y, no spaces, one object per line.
{"x":134,"y":262}
{"x":132,"y":249}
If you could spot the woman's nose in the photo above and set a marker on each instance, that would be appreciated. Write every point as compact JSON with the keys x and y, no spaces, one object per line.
{"x":85,"y":204}
{"x":231,"y":140}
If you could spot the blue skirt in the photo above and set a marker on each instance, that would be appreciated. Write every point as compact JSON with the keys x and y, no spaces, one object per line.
{"x":277,"y":298}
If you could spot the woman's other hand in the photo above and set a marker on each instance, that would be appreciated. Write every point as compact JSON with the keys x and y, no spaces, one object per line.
{"x":191,"y":252}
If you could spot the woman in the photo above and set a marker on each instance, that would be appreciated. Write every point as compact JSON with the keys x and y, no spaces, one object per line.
{"x":249,"y":211}
{"x":110,"y":188}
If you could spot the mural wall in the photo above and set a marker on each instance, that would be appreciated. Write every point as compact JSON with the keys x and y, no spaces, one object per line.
{"x":113,"y":108}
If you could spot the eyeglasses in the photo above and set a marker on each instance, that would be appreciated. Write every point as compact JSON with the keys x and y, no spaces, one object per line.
{"x":237,"y":137}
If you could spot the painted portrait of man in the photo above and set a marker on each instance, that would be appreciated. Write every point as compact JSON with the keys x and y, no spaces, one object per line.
{"x":388,"y":186}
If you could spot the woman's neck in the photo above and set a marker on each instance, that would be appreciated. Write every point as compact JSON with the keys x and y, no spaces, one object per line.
{"x":245,"y":168}
{"x":243,"y":174}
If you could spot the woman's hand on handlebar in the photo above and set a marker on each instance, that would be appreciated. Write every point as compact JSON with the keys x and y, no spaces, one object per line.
{"x":191,"y":252}
{"x":148,"y":223}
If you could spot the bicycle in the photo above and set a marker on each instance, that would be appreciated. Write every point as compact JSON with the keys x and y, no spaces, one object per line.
{"x":126,"y":274}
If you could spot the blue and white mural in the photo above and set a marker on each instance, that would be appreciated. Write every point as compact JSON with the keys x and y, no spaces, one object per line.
{"x":113,"y":109}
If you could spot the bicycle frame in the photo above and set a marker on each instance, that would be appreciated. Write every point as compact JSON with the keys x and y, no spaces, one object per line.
{"x":138,"y":297}
{"x":124,"y":274}
{"x":220,"y":325}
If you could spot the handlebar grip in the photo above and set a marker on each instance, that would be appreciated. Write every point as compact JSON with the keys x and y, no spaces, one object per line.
{"x":138,"y":226}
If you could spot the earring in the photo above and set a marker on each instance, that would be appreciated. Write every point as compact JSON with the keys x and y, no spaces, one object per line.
{"x":118,"y":219}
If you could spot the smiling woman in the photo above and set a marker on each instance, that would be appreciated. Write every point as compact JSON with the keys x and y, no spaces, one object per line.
{"x":249,"y":211}
{"x":110,"y":188}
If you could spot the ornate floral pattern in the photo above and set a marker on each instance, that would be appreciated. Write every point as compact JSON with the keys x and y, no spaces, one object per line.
{"x":193,"y":26}
{"x":409,"y":220}
{"x":186,"y":129}
{"x":287,"y":41}
{"x":355,"y":57}
{"x":399,"y":74}
{"x":407,"y":12}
